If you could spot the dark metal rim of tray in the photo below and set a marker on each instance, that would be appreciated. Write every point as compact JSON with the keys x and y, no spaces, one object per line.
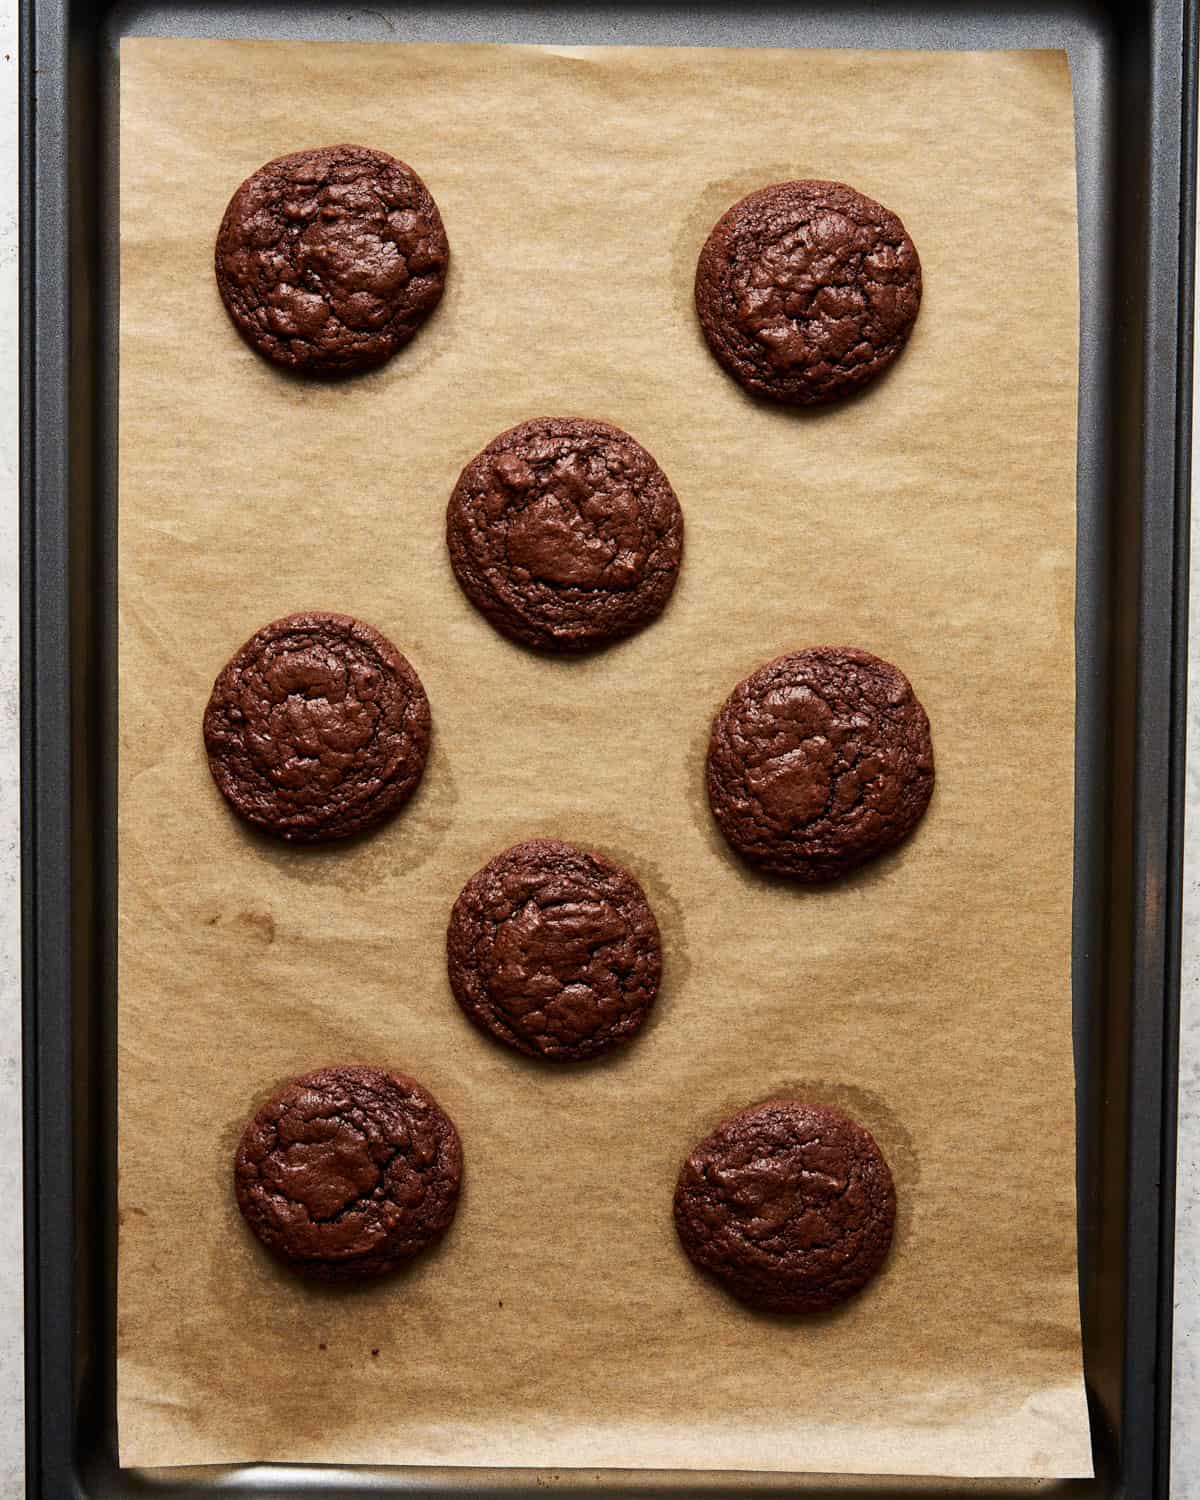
{"x":1133,"y":69}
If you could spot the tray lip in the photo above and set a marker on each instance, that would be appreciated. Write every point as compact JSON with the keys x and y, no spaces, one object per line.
{"x":48,"y":820}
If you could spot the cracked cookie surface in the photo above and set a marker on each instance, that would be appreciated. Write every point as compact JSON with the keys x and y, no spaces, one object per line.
{"x":819,"y":761}
{"x":554,"y":950}
{"x":807,"y":290}
{"x":317,"y":729}
{"x":349,"y":1172}
{"x":565,"y":534}
{"x":328,"y":261}
{"x":789,"y":1205}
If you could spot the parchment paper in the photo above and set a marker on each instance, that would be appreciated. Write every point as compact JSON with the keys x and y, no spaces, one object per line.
{"x":931,"y":521}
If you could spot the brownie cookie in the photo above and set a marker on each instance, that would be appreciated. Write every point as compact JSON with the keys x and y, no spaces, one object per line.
{"x":789,"y":1205}
{"x":565,"y":533}
{"x":819,"y":761}
{"x":554,"y":950}
{"x":318,"y":728}
{"x":807,"y":290}
{"x":348,"y":1172}
{"x":329,"y":260}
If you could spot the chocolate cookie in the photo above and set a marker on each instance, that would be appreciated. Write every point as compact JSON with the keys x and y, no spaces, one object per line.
{"x":348,"y":1172}
{"x":318,"y":728}
{"x":819,"y":761}
{"x":789,"y":1205}
{"x":807,"y":290}
{"x":329,"y":260}
{"x":554,"y":950}
{"x":565,"y":533}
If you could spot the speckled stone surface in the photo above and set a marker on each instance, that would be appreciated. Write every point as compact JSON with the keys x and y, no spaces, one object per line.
{"x":12,"y":1431}
{"x":1185,"y":1428}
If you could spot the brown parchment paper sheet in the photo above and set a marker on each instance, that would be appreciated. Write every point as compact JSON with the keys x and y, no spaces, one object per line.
{"x":931,"y":521}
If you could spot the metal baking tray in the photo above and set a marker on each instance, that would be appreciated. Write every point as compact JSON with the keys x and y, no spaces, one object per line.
{"x":1133,"y":66}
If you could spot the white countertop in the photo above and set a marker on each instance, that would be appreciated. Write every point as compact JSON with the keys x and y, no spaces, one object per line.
{"x":1186,"y":1426}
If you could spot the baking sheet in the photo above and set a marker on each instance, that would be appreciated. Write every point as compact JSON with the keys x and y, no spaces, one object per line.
{"x":931,"y":521}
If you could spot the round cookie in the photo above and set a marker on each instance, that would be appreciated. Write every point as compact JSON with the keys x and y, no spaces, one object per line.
{"x":565,"y":533}
{"x":317,"y":729}
{"x":789,"y":1205}
{"x":349,"y":1172}
{"x":819,"y":761}
{"x":554,"y":950}
{"x":329,"y":260}
{"x":807,"y":290}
